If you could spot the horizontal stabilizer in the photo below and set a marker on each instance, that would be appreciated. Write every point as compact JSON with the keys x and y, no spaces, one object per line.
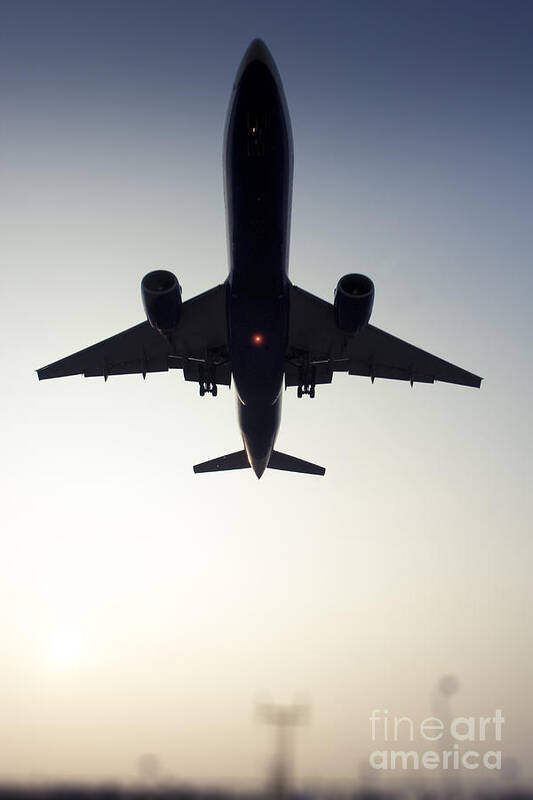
{"x":237,"y":460}
{"x":292,"y":464}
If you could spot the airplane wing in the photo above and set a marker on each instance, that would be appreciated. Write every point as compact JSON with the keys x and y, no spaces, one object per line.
{"x":199,"y":347}
{"x":317,"y":349}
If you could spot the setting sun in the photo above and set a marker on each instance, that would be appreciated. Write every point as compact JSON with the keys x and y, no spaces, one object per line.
{"x":65,"y":650}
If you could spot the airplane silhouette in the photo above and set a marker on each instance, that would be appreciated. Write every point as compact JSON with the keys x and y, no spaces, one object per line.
{"x":258,"y":327}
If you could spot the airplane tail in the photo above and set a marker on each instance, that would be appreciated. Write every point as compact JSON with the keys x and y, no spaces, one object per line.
{"x":239,"y":460}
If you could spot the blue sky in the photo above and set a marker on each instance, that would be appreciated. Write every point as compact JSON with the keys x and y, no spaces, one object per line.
{"x":161,"y":602}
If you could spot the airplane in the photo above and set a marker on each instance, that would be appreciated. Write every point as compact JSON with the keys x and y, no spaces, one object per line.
{"x":257,"y":328}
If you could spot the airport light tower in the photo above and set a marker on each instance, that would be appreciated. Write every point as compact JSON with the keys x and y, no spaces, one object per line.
{"x":284,"y":718}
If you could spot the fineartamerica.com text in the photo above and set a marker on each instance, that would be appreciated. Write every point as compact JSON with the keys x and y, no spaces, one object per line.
{"x":455,"y":750}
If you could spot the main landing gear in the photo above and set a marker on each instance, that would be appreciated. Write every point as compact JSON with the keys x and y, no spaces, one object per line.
{"x":208,"y":387}
{"x":306,"y":388}
{"x":207,"y":381}
{"x":307,"y":381}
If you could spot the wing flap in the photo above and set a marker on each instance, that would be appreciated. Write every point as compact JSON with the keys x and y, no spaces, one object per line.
{"x":137,"y":349}
{"x":378,"y":354}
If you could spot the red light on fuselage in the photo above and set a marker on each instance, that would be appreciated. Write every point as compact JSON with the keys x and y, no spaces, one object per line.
{"x":258,"y":339}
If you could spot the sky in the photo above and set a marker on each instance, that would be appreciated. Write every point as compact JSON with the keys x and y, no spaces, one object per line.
{"x":145,"y":609}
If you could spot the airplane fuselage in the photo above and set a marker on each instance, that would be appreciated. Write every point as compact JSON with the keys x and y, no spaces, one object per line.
{"x":258,"y":167}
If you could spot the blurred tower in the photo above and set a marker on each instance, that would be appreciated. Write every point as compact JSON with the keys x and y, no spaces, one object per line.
{"x":445,"y":688}
{"x":284,"y":719}
{"x":149,"y":769}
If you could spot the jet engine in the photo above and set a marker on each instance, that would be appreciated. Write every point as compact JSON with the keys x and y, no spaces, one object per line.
{"x":161,"y":295}
{"x":354,"y":298}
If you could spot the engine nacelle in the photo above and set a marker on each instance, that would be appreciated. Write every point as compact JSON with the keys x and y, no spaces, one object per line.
{"x":354,"y":298}
{"x":161,"y":295}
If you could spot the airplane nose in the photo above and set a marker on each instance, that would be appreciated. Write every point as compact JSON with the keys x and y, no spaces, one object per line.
{"x":257,"y":51}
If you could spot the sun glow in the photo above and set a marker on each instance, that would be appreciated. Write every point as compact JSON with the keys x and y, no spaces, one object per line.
{"x":65,"y":650}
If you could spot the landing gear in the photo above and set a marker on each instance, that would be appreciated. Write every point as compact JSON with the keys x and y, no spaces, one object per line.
{"x":306,"y":388}
{"x":307,"y":381}
{"x":208,"y":387}
{"x":207,"y":382}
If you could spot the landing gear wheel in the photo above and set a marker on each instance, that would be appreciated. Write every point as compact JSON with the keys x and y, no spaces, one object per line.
{"x":208,"y":387}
